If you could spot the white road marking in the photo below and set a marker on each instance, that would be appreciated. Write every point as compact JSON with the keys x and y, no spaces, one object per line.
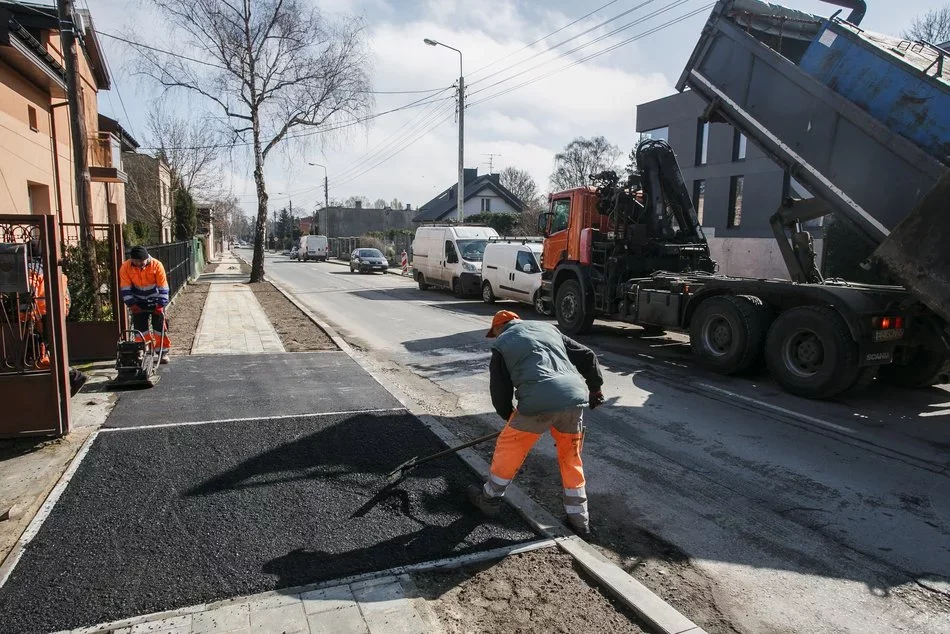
{"x":37,"y":522}
{"x":777,"y":408}
{"x":252,"y":418}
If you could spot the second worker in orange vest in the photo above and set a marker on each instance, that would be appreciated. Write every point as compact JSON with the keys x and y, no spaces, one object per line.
{"x":144,"y":289}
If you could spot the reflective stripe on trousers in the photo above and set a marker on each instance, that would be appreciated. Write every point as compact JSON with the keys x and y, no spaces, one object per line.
{"x":514,"y":444}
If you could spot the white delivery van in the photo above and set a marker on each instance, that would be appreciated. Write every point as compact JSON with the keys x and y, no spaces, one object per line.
{"x":312,"y":248}
{"x":450,"y":257}
{"x":510,"y":270}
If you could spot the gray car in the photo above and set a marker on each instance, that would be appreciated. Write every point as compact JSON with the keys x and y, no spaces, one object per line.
{"x":368,"y":261}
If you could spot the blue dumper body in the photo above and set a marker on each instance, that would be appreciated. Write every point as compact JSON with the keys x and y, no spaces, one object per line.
{"x":902,"y":84}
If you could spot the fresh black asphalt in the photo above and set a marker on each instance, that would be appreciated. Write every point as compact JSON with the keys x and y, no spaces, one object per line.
{"x":156,"y":519}
{"x":215,"y":387}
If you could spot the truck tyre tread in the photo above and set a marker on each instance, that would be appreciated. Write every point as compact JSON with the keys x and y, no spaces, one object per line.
{"x":586,"y":320}
{"x":746,"y":318}
{"x":840,"y":374}
{"x":421,"y":280}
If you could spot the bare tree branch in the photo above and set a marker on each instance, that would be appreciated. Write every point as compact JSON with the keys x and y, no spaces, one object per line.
{"x":280,"y":65}
{"x":932,"y":26}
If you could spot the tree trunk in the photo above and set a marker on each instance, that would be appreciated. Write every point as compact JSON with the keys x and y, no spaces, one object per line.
{"x":257,"y":264}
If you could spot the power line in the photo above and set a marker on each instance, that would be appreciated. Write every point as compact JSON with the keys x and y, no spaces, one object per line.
{"x":413,"y":104}
{"x":598,"y":53}
{"x":581,"y":47}
{"x":562,"y":43}
{"x":540,"y":39}
{"x":219,"y":67}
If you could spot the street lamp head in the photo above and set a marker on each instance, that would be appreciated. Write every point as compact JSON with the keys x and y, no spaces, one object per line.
{"x":430,"y":42}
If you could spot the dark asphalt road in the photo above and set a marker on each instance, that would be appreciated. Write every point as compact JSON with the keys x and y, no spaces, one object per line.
{"x":201,"y":388}
{"x":162,"y":518}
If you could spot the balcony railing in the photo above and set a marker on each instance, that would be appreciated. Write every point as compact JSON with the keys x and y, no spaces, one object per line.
{"x":105,"y":158}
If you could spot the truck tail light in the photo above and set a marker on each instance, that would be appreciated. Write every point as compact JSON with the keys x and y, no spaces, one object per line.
{"x":887,"y":323}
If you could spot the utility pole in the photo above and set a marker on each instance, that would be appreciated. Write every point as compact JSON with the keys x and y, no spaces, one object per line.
{"x":461,"y":188}
{"x":461,"y":200}
{"x":77,"y":128}
{"x":274,"y":215}
{"x":326,"y":184}
{"x":290,"y":204}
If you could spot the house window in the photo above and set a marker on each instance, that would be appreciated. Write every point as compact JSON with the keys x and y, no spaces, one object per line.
{"x":662,"y":134}
{"x":739,"y":143}
{"x":699,"y":198}
{"x":31,"y":113}
{"x":486,"y":204}
{"x":702,"y":142}
{"x":736,"y":184}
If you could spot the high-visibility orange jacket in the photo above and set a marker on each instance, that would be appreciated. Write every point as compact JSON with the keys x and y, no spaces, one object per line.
{"x":38,"y":284}
{"x":146,"y":287}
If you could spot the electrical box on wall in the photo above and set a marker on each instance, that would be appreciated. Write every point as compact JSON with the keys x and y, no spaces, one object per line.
{"x":13,"y":272}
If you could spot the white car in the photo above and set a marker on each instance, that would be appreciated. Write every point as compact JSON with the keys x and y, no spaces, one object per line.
{"x":510,"y":270}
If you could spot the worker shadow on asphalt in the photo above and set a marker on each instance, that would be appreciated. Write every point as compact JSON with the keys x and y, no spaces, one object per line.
{"x":425,"y":516}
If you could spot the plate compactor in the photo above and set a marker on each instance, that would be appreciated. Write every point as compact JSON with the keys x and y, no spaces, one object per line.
{"x":136,"y":362}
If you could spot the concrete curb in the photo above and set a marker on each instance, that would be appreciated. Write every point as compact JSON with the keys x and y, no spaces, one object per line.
{"x":643,"y":601}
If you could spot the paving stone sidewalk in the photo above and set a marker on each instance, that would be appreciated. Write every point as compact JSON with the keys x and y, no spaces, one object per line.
{"x":369,"y":607}
{"x":233,"y":321}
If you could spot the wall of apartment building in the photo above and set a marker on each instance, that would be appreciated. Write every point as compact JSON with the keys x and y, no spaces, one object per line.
{"x":742,"y":243}
{"x":27,"y":184}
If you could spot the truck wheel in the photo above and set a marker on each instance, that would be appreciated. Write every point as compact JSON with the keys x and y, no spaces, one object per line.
{"x":810,"y":352}
{"x":918,"y":366}
{"x":727,"y":334}
{"x":488,"y":296}
{"x":574,"y":315}
{"x":421,"y":279}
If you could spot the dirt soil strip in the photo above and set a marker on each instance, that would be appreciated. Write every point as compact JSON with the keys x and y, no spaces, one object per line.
{"x":533,"y":593}
{"x":296,"y":331}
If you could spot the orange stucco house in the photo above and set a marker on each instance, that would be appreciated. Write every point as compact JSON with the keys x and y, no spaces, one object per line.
{"x":36,"y":166}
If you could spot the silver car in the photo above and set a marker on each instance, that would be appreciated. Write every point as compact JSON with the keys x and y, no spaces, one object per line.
{"x":368,"y":261}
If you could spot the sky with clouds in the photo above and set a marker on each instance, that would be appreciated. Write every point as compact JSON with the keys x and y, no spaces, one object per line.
{"x":412,"y":154}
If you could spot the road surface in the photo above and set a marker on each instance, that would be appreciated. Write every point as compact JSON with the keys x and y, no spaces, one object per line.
{"x":749,"y":509}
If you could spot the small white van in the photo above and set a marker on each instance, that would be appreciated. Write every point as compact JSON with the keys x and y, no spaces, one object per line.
{"x":312,"y":248}
{"x":450,"y":257}
{"x":510,"y":270}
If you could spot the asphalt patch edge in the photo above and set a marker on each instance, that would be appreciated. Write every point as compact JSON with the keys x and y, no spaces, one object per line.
{"x":643,"y":601}
{"x":447,"y":563}
{"x":249,"y":419}
{"x":46,"y":509}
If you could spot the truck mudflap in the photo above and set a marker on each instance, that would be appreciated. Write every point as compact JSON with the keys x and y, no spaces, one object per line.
{"x":875,"y":353}
{"x":917,"y":252}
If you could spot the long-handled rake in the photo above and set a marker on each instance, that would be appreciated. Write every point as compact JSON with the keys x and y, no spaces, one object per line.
{"x":400,"y":472}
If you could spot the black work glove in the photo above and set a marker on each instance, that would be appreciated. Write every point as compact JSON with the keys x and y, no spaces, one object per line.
{"x":596,"y":398}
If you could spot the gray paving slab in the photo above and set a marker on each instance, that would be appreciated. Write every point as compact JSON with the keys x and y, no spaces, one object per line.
{"x":160,"y":519}
{"x":201,"y":388}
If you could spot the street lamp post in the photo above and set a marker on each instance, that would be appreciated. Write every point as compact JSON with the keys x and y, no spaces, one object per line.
{"x":461,"y":189}
{"x":326,"y":187}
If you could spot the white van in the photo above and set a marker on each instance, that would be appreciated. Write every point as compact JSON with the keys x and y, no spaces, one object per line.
{"x":450,"y":257}
{"x":312,"y":248}
{"x":510,"y":270}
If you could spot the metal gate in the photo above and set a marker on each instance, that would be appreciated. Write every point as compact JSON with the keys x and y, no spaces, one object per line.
{"x":34,"y":373}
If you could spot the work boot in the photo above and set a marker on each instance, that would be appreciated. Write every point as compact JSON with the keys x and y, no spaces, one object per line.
{"x":163,"y":359}
{"x":580,"y":525}
{"x":488,"y":505}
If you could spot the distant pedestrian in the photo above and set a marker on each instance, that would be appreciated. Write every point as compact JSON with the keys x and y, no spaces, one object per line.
{"x":144,"y":289}
{"x":553,"y":377}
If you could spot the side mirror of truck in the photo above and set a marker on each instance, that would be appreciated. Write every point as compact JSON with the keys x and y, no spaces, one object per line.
{"x":527,"y":268}
{"x":543,"y":222}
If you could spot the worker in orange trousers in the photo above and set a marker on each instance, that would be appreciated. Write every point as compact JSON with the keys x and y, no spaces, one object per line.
{"x":553,"y":378}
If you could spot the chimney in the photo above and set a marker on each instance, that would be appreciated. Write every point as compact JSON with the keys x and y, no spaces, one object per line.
{"x":471,"y":173}
{"x":359,"y":204}
{"x":408,"y":207}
